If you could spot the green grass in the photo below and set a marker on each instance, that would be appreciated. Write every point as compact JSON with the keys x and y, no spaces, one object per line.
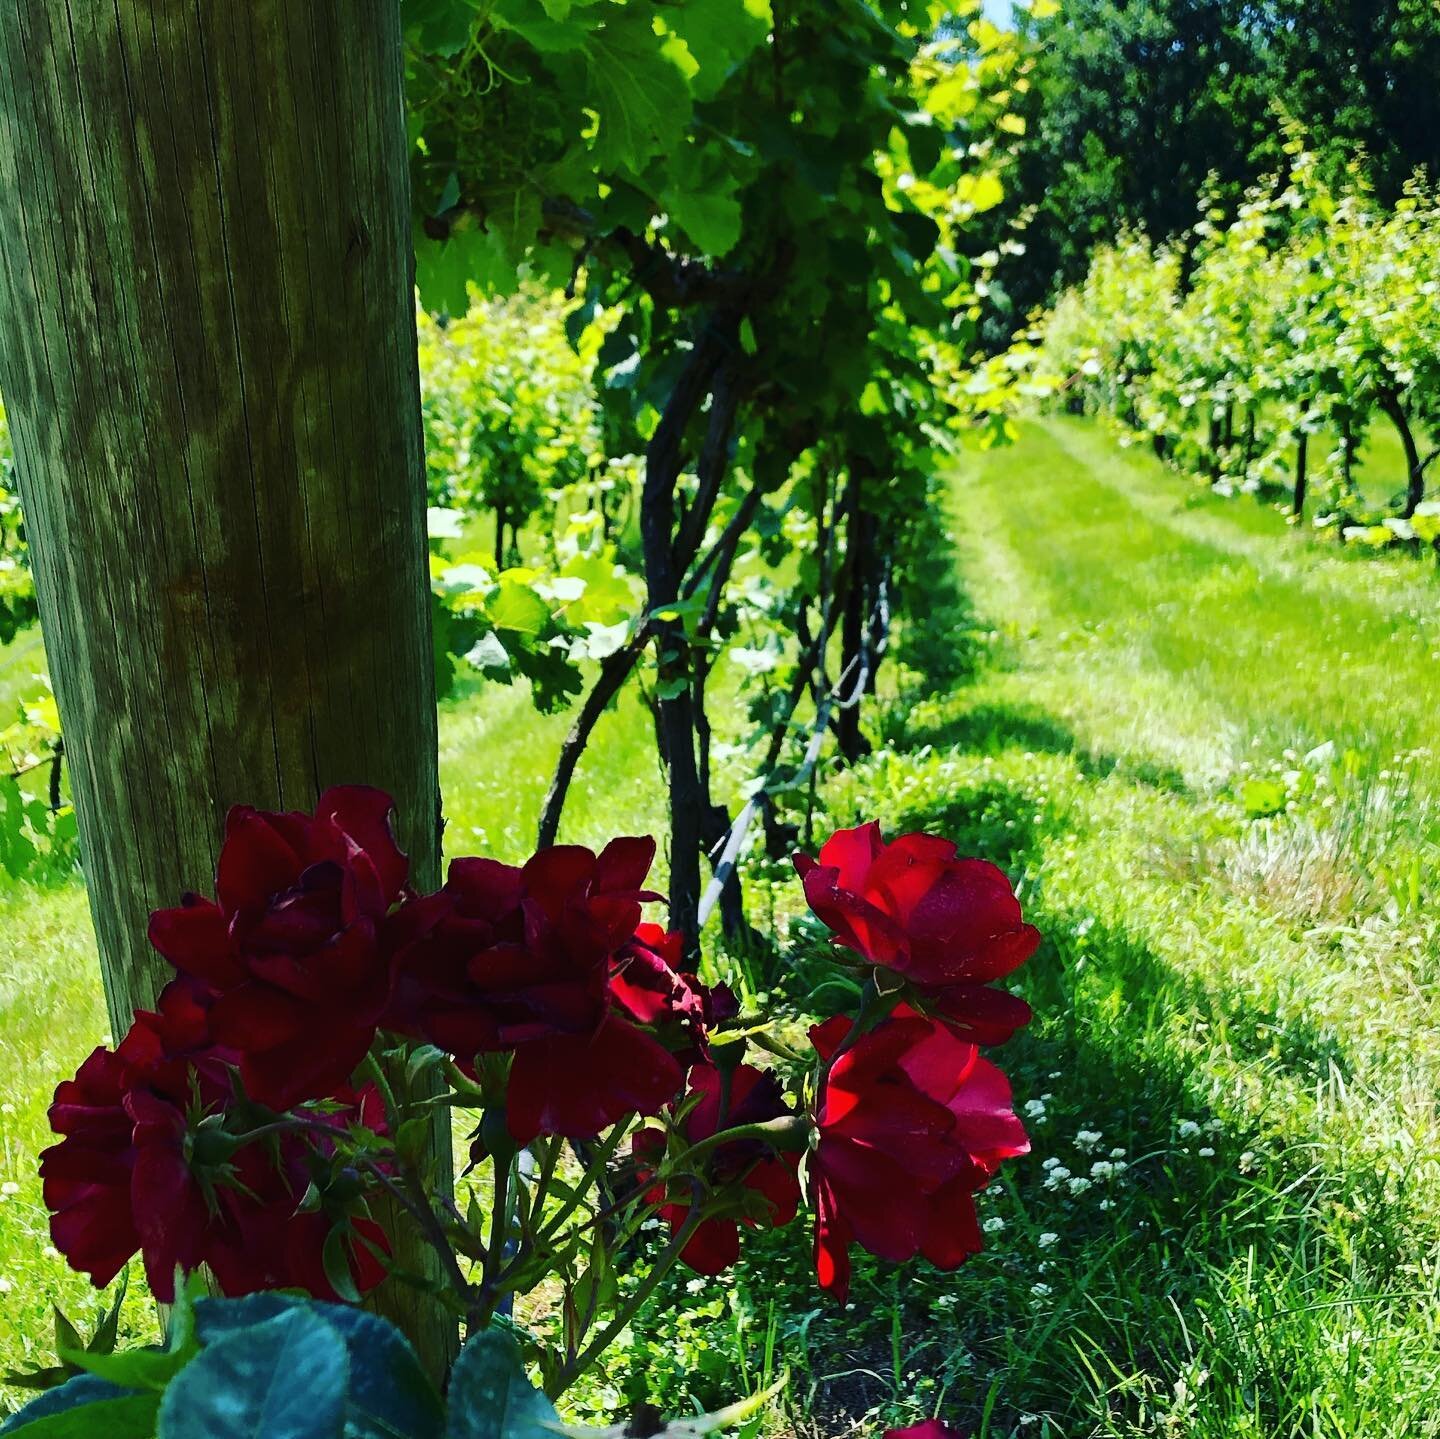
{"x":1244,"y":1003}
{"x":1246,"y":1007}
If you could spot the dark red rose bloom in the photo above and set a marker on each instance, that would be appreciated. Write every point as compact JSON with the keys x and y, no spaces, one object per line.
{"x":508,"y":958}
{"x":135,"y":1172}
{"x":947,"y":925}
{"x":577,"y":1085}
{"x":754,"y":1097}
{"x":506,"y":954}
{"x":86,"y":1177}
{"x":912,"y":1123}
{"x":930,"y":1429}
{"x":258,"y":1240}
{"x":291,"y":950}
{"x":173,"y":1051}
{"x":647,"y":982}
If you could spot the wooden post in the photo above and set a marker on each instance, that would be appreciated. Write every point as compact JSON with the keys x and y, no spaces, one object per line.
{"x":207,"y":354}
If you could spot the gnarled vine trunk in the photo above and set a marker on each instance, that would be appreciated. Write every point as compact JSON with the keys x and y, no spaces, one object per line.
{"x":1394,"y":410}
{"x":1302,"y":472}
{"x":207,"y":354}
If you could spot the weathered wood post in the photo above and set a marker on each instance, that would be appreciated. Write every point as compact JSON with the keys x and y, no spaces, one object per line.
{"x":207,"y":355}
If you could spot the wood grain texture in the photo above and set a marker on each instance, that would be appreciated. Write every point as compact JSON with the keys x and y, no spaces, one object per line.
{"x":207,"y":354}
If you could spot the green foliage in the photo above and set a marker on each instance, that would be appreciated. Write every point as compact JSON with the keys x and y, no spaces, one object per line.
{"x":37,"y":823}
{"x":510,"y":420}
{"x":17,"y":589}
{"x":1307,"y":313}
{"x":512,"y":430}
{"x":1137,"y":104}
{"x":773,"y":200}
{"x":272,"y":1366}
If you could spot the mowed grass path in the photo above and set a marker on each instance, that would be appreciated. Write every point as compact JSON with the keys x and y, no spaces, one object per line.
{"x":1230,"y":1221}
{"x":1240,"y":1010}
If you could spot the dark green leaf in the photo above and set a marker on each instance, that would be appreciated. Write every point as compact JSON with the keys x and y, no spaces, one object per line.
{"x":283,"y":1379}
{"x":132,"y":1368}
{"x":86,"y":1408}
{"x":389,"y":1395}
{"x":490,"y":1396}
{"x":67,"y":1336}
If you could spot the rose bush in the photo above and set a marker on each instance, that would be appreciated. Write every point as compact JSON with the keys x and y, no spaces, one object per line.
{"x":939,"y":926}
{"x":323,"y":1009}
{"x":910,"y":1123}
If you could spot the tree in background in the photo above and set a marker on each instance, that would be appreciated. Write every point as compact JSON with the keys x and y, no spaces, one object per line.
{"x":1137,"y":106}
{"x":1360,"y":76}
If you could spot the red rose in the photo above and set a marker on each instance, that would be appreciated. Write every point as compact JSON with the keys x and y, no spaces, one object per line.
{"x":647,"y":982}
{"x":505,"y":954}
{"x":173,"y":1051}
{"x":291,"y":949}
{"x":507,"y":958}
{"x":947,"y":925}
{"x":86,"y":1177}
{"x":930,"y":1429}
{"x":754,"y":1097}
{"x":258,"y":1239}
{"x":911,"y":1123}
{"x":577,"y":1085}
{"x":135,"y":1170}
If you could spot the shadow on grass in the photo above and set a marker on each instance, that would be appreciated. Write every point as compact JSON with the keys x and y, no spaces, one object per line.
{"x":991,"y":729}
{"x":1135,"y":1289}
{"x":1113,"y":1051}
{"x":942,"y":641}
{"x":945,"y":646}
{"x":1219,"y":1245}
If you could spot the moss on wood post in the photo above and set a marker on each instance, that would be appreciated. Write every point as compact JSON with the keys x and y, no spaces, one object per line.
{"x":207,"y":354}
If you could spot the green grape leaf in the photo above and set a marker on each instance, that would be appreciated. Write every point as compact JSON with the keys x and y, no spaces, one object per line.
{"x":441,"y":26}
{"x":719,"y":35}
{"x":606,"y":598}
{"x":515,"y":605}
{"x":638,"y":93}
